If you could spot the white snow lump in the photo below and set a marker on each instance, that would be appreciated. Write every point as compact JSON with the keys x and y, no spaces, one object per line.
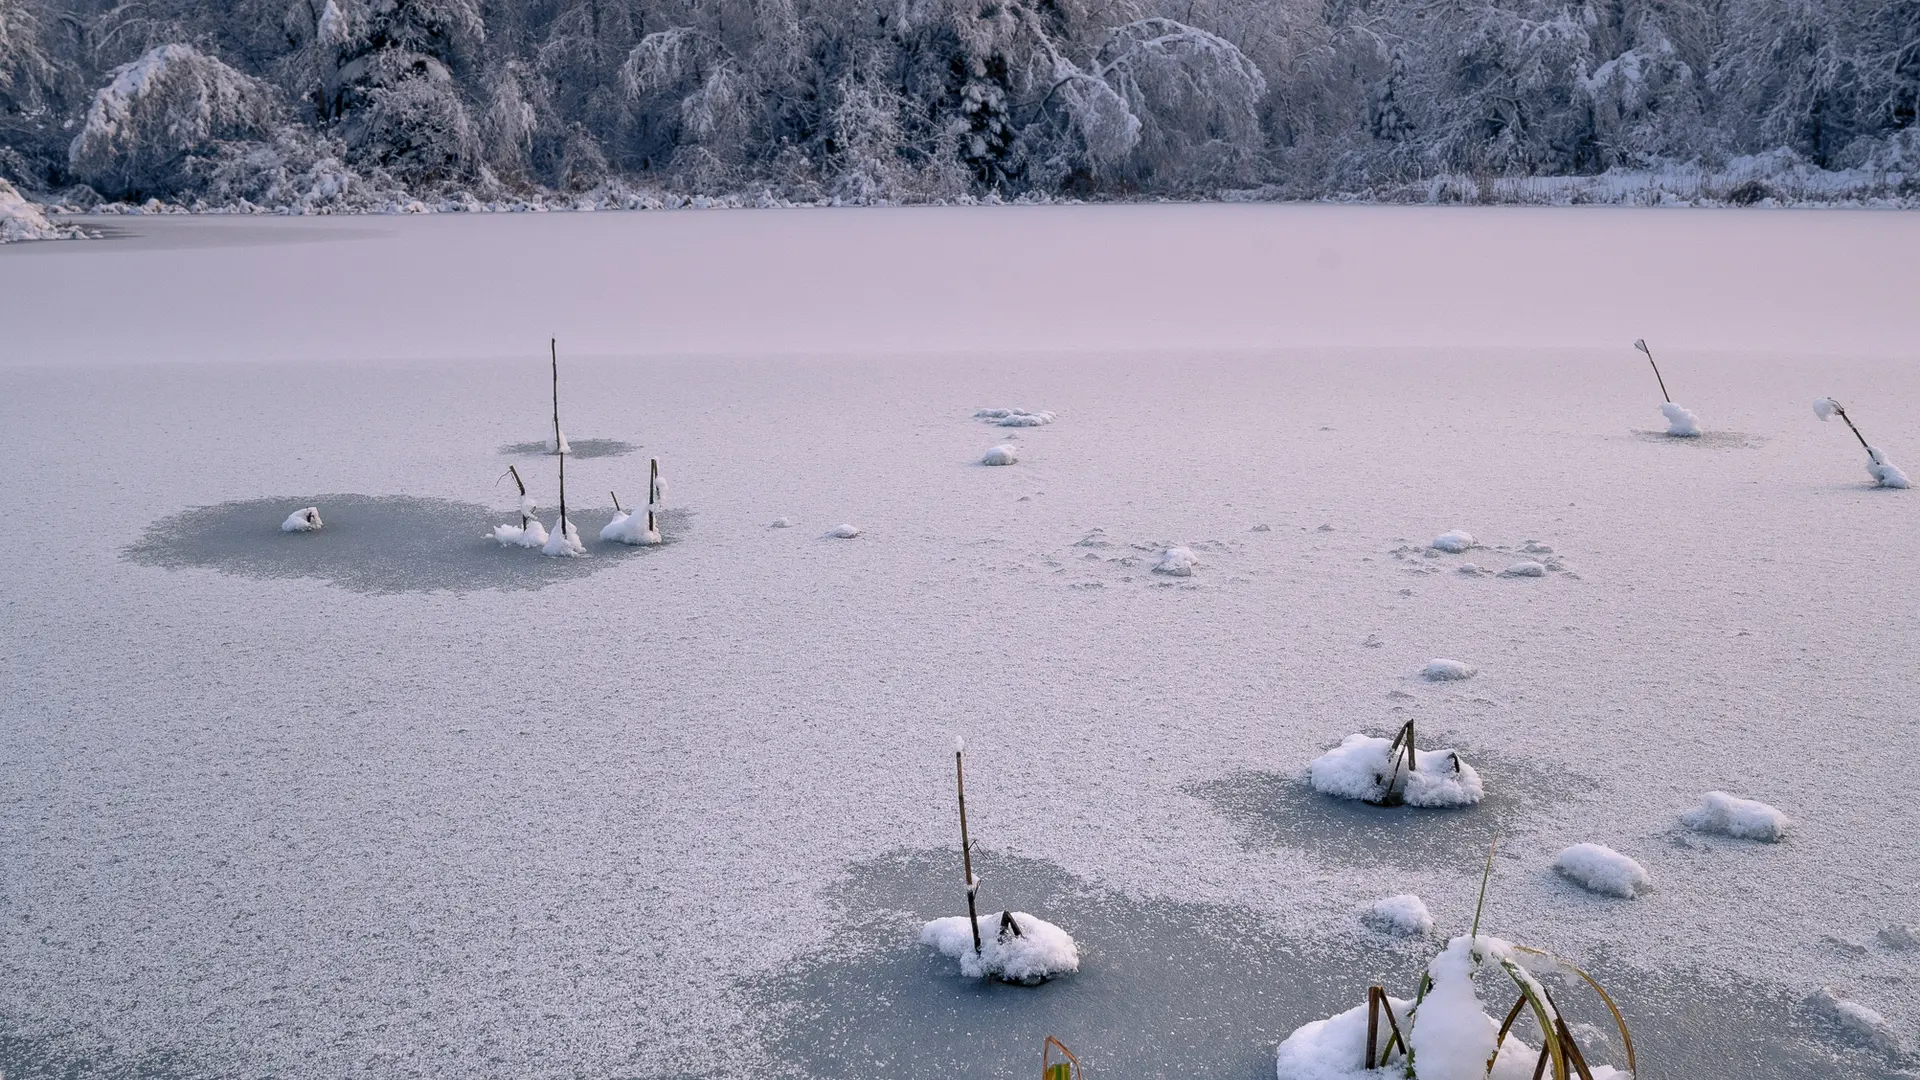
{"x":1015,"y":947}
{"x":1599,"y":869}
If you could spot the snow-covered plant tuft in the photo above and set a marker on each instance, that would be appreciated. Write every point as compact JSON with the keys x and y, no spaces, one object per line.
{"x":304,"y":520}
{"x":1884,"y":473}
{"x":563,"y":540}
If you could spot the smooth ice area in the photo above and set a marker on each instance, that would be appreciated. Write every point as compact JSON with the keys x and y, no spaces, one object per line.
{"x":391,"y":800}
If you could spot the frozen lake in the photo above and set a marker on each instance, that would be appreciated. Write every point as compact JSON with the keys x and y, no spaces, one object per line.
{"x":391,"y":801}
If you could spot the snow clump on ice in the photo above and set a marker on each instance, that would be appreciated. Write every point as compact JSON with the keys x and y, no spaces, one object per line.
{"x":1681,"y":423}
{"x":1721,"y":813}
{"x":1824,"y":407}
{"x":636,"y":528}
{"x":1441,"y":669}
{"x":307,"y":520}
{"x":1176,"y":562}
{"x":533,"y":536}
{"x":1013,"y":417}
{"x":1525,"y":568}
{"x":782,"y":523}
{"x":1004,"y":454}
{"x":1598,"y":868}
{"x":1861,"y":1023}
{"x":1405,"y":915}
{"x":1015,"y":947}
{"x":844,"y":532}
{"x":1884,"y":472}
{"x":564,"y":541}
{"x":1359,"y":769}
{"x":564,"y":448}
{"x":1454,"y":542}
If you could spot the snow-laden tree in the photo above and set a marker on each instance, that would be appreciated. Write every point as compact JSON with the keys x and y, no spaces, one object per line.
{"x":158,"y":110}
{"x":387,"y":73}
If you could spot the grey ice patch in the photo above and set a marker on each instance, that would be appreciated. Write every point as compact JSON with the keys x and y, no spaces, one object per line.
{"x":577,"y":448}
{"x":380,"y":544}
{"x":1713,"y":440}
{"x":1169,"y":988}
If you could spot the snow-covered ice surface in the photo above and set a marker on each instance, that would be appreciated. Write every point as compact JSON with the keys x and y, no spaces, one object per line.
{"x":478,"y":849}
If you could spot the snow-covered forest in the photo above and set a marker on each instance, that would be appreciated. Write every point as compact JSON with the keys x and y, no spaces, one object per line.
{"x":330,"y":104}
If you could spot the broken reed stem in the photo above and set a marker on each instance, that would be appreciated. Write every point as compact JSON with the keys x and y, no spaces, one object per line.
{"x":1856,"y":431}
{"x":616,"y":502}
{"x":553,"y":347}
{"x":1642,"y":346}
{"x":966,"y":850}
{"x":1474,"y":934}
{"x":522,"y":485}
{"x":653,"y":479}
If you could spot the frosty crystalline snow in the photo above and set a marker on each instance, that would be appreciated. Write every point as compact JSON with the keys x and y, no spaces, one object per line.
{"x":1405,"y":915}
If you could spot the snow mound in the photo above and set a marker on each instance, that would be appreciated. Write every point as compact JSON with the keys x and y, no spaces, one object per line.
{"x":1721,"y":813}
{"x":1405,"y":915}
{"x":1884,"y":472}
{"x":533,"y":536}
{"x":307,"y":520}
{"x":1004,"y":454}
{"x":1176,"y":562}
{"x":169,"y":102}
{"x":1359,"y":768}
{"x":1824,"y":407}
{"x":22,"y":220}
{"x":1440,"y":669}
{"x":1013,"y":417}
{"x":1598,"y":868}
{"x":782,"y":523}
{"x":564,"y":541}
{"x":1526,"y":568}
{"x":1334,"y":1048}
{"x":636,"y":529}
{"x":1455,"y":541}
{"x":1681,"y":423}
{"x":1857,"y":1021}
{"x":844,"y":532}
{"x":1014,"y":947}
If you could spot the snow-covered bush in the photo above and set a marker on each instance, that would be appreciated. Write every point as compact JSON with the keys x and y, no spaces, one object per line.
{"x":1721,"y":813}
{"x":305,"y":520}
{"x":1598,"y":868}
{"x":1004,"y":454}
{"x":1015,"y":947}
{"x":22,"y":220}
{"x":172,"y":102}
{"x":1370,"y":769}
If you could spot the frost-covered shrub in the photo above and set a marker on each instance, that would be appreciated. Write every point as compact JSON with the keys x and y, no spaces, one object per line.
{"x":417,"y":129}
{"x":158,"y":110}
